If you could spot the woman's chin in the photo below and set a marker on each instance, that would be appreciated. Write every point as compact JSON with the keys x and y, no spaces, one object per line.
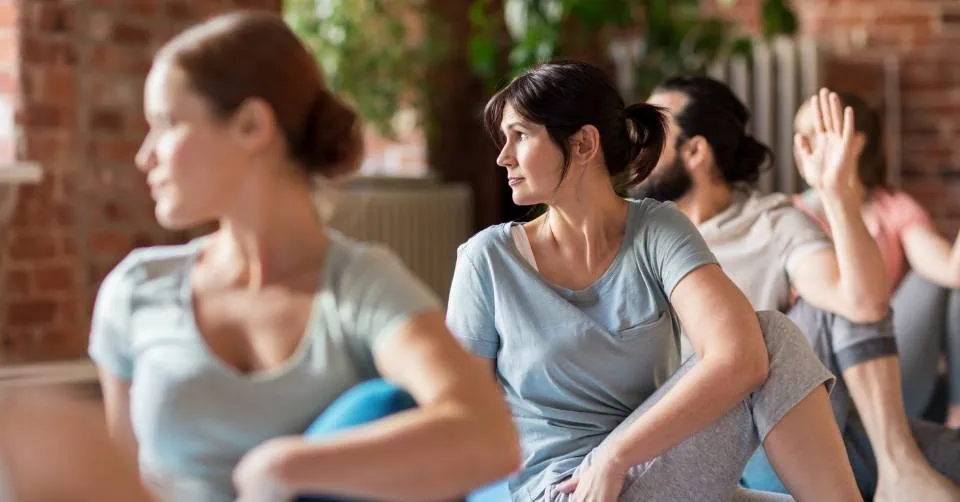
{"x":525,"y":199}
{"x":170,"y":219}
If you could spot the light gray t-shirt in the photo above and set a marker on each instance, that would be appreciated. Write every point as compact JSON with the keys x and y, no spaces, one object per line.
{"x":193,"y":415}
{"x":574,"y":364}
{"x":759,"y":240}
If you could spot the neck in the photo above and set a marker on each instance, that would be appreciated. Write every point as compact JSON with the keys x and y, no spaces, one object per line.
{"x":705,"y":200}
{"x":273,"y":233}
{"x":588,"y":224}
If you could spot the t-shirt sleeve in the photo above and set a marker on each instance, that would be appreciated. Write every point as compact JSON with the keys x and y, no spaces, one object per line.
{"x":797,"y":235}
{"x":906,"y":213}
{"x":673,"y":246}
{"x":469,"y":312}
{"x":110,"y":345}
{"x":379,"y":295}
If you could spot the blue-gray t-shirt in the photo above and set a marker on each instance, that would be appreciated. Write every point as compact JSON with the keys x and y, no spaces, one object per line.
{"x":194,"y":416}
{"x":574,"y":364}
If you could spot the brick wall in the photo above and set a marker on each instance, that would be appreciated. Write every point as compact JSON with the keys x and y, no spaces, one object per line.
{"x":925,"y":35}
{"x":78,"y":84}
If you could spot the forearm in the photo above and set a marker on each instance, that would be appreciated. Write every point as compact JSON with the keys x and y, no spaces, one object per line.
{"x":863,"y":283}
{"x":708,"y":391}
{"x":875,"y":388}
{"x":424,"y":454}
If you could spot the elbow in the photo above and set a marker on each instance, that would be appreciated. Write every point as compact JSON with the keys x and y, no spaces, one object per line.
{"x":866,"y":309}
{"x":746,"y":370}
{"x":865,"y":312}
{"x":757,"y":370}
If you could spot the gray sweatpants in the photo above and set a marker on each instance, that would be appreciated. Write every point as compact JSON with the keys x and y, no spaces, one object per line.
{"x":707,"y":466}
{"x":841,"y":344}
{"x":926,"y":319}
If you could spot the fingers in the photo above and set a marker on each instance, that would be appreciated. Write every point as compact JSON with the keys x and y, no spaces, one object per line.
{"x":836,"y":113}
{"x":824,"y":102}
{"x":568,"y":486}
{"x":818,"y":123}
{"x":848,"y":127}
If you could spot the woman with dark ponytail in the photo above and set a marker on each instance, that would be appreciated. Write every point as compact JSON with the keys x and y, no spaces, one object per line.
{"x":579,"y":312}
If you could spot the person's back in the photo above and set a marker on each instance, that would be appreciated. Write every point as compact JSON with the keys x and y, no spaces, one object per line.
{"x":758,"y":240}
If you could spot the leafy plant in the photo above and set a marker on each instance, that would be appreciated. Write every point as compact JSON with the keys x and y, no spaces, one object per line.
{"x":658,"y":37}
{"x":371,"y":51}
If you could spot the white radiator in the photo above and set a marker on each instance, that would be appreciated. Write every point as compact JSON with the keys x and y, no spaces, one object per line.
{"x":422,"y":221}
{"x":772,"y":82}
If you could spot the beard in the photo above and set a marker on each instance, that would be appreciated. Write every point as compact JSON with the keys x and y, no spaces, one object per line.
{"x":670,"y":185}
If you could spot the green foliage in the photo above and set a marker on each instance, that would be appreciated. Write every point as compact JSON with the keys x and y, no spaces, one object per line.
{"x":370,"y":56}
{"x":366,"y":51}
{"x":674,"y":35}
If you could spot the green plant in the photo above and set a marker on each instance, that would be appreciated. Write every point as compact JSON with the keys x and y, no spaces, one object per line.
{"x":660,"y":37}
{"x":369,"y":50}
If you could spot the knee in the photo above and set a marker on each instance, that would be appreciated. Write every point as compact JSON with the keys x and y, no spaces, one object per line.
{"x":365,"y":403}
{"x":780,"y":333}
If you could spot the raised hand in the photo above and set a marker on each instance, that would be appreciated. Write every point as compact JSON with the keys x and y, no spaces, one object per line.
{"x":828,"y":159}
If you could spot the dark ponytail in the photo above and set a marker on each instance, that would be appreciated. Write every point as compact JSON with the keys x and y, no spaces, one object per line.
{"x":647,"y":134}
{"x":564,"y":96}
{"x":749,"y":159}
{"x":714,"y":112}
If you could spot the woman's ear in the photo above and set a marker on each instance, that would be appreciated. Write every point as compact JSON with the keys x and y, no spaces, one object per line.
{"x":253,"y":125}
{"x":585,"y":144}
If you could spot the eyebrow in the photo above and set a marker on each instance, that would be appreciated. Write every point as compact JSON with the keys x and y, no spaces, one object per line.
{"x":516,"y":124}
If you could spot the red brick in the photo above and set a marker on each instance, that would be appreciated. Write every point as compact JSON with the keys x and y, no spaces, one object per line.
{"x":17,"y":283}
{"x":25,"y":246}
{"x":41,"y":116}
{"x":127,"y":33}
{"x":145,"y":8}
{"x":57,"y":85}
{"x":109,"y":242}
{"x":114,"y":150}
{"x":180,"y":10}
{"x":54,"y":279}
{"x":31,"y":312}
{"x":105,"y":120}
{"x":49,"y":17}
{"x":46,"y":50}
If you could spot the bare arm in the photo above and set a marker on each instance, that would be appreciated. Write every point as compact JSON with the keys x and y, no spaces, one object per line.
{"x":56,"y":448}
{"x":460,"y":437}
{"x":849,"y":280}
{"x":932,"y":256}
{"x":725,"y":333}
{"x":116,"y":402}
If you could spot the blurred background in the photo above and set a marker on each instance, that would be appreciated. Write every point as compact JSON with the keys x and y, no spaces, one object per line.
{"x":71,"y":76}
